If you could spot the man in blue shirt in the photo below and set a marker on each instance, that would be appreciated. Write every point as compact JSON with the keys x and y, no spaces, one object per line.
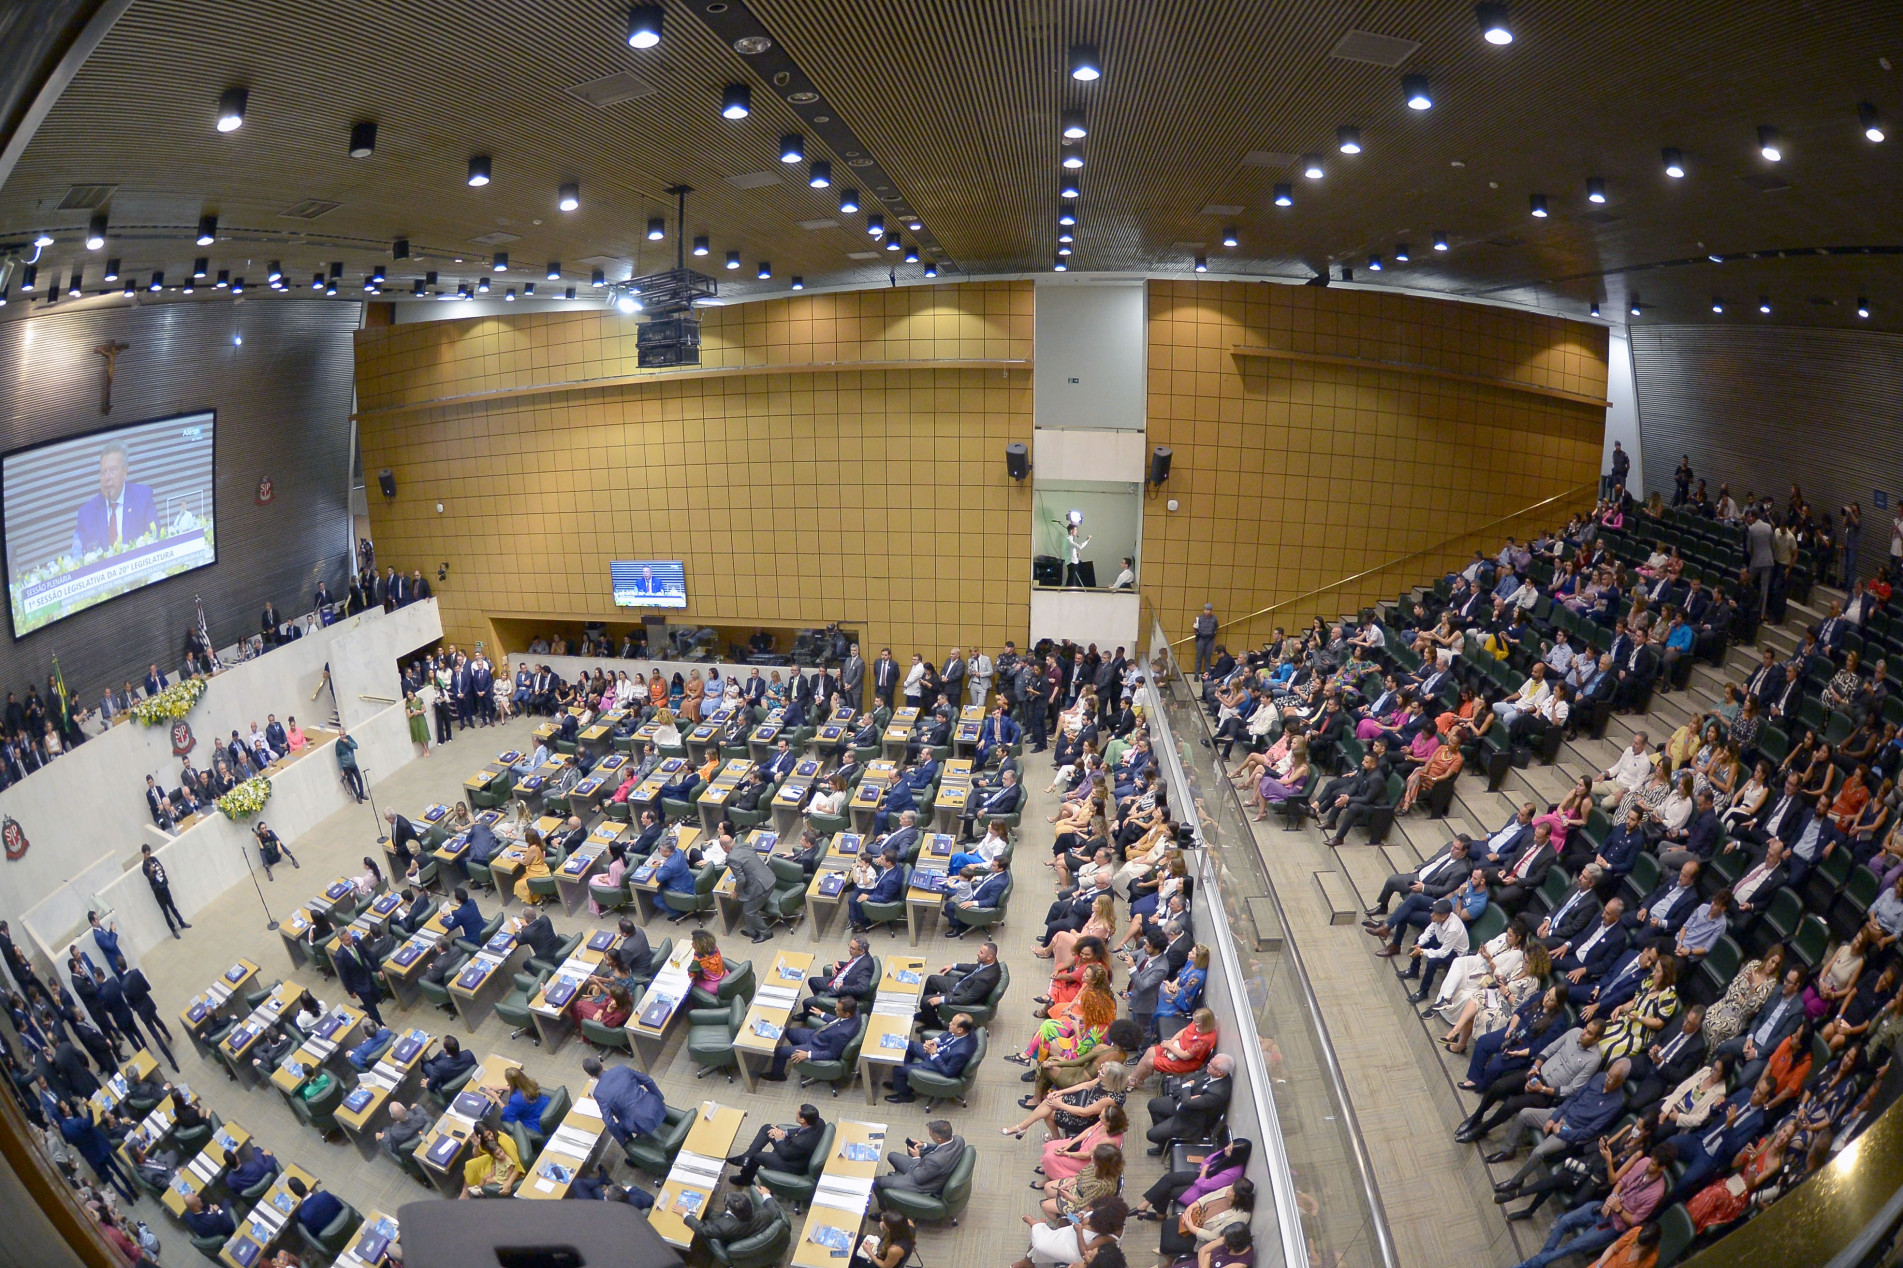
{"x":206,"y":1221}
{"x":947,"y":1055}
{"x":466,"y":921}
{"x":1620,"y":850}
{"x":318,"y":1209}
{"x":257,"y":1165}
{"x":630,"y":1101}
{"x":1578,"y":1120}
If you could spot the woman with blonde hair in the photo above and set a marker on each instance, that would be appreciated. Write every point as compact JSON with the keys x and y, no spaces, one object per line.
{"x":1102,"y":923}
{"x":1284,"y":782}
{"x":534,"y":866}
{"x":1068,"y":1111}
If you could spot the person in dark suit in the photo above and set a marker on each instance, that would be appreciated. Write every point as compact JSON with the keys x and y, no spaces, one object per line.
{"x":1515,"y":883}
{"x":1587,"y":960}
{"x":540,"y":937}
{"x":886,"y":888}
{"x":808,"y":1043}
{"x":1669,"y":905}
{"x":946,"y":1056}
{"x":138,"y":993}
{"x":73,"y":1070}
{"x":1780,"y":1015}
{"x":356,"y":975}
{"x":997,"y":734}
{"x":850,"y":976}
{"x":112,"y":1001}
{"x":1752,"y":894}
{"x":155,"y":801}
{"x":985,"y":896}
{"x":787,"y":1147}
{"x":852,"y":678}
{"x":961,"y":984}
{"x":120,"y":513}
{"x":1676,"y":1052}
{"x":1004,"y":800}
{"x":781,"y":764}
{"x":465,"y":923}
{"x":447,"y":1066}
{"x":482,"y":682}
{"x":1574,"y":915}
{"x":745,"y":1214}
{"x":1195,"y":1109}
{"x":925,"y":1165}
{"x":1357,"y":802}
{"x":885,"y":677}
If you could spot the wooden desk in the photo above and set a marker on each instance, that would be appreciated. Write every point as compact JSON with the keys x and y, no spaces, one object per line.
{"x":433,"y":824}
{"x":488,"y":781}
{"x":444,"y":1164}
{"x":646,"y":891}
{"x":773,"y":1001}
{"x":507,"y":866}
{"x":344,"y":1026}
{"x":726,"y":900}
{"x":864,"y":804}
{"x":697,"y":1170}
{"x":789,"y":801}
{"x":380,"y":1084}
{"x":762,"y":740}
{"x":150,"y":1131}
{"x":726,"y":782}
{"x":426,"y":943}
{"x":339,"y":892}
{"x":892,"y":1014}
{"x":216,"y":1000}
{"x":842,"y":851}
{"x":370,"y":1248}
{"x":830,"y":738}
{"x":295,"y":934}
{"x":845,"y":1191}
{"x":236,"y":1047}
{"x":269,"y":1221}
{"x":898,"y":733}
{"x":485,"y":978}
{"x":205,"y":1169}
{"x":556,"y":1022}
{"x":586,"y":792}
{"x":571,"y":878}
{"x":922,"y":902}
{"x":971,"y":720}
{"x":667,"y":991}
{"x":134,"y":1069}
{"x":572,"y":1148}
{"x":647,"y":793}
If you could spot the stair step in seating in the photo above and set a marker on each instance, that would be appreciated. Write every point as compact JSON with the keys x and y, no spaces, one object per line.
{"x":1338,"y":897}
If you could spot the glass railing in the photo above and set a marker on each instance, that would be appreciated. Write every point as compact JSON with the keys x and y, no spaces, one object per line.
{"x":1326,"y":1201}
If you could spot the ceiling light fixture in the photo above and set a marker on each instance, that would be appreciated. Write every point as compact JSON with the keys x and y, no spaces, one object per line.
{"x":1060,"y":266}
{"x":644,"y":26}
{"x":1312,"y":167}
{"x":931,"y":269}
{"x":911,"y":255}
{"x":29,"y":279}
{"x":1870,"y":121}
{"x":657,"y":228}
{"x":130,"y":290}
{"x":416,"y":288}
{"x":799,"y":283}
{"x":1401,"y":253}
{"x":1073,"y":124}
{"x":1863,"y":306}
{"x":792,"y":148}
{"x":112,"y":270}
{"x":363,"y":139}
{"x":482,"y":285}
{"x":1415,"y":89}
{"x":201,"y":267}
{"x":157,"y":283}
{"x":1764,"y":304}
{"x":501,"y":263}
{"x":892,"y":241}
{"x":317,"y":280}
{"x":400,"y":249}
{"x":1374,"y":264}
{"x":231,"y":104}
{"x":766,"y":269}
{"x":1063,"y":250}
{"x":1231,"y":237}
{"x":1768,"y":144}
{"x":569,"y":196}
{"x":75,"y":284}
{"x":1536,"y":205}
{"x":598,"y":278}
{"x":915,"y":224}
{"x":1085,"y":65}
{"x":1595,"y":308}
{"x":819,"y":174}
{"x":508,"y":296}
{"x":626,"y":304}
{"x":1067,"y":213}
{"x":478,"y":170}
{"x":528,"y":289}
{"x":1595,"y":189}
{"x":554,"y":270}
{"x":700,"y":245}
{"x":1202,"y":264}
{"x":1674,"y":162}
{"x":1067,"y":187}
{"x":1440,"y":242}
{"x":462,"y":291}
{"x":736,"y":101}
{"x":733,"y":259}
{"x":237,"y":286}
{"x":96,"y":231}
{"x":1071,"y":155}
{"x":377,"y":275}
{"x":1284,"y":195}
{"x":207,"y":230}
{"x":569,"y":293}
{"x":224,"y":279}
{"x":1065,"y":235}
{"x":875,"y":224}
{"x":186,"y":288}
{"x":1348,"y":139}
{"x":848,"y":201}
{"x":1493,"y":24}
{"x":1637,"y":308}
{"x":276,"y":272}
{"x":1717,"y":304}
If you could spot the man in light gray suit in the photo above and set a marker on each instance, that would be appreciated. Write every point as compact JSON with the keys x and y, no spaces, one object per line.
{"x":925,"y":1165}
{"x":752,"y":885}
{"x":852,"y":678}
{"x":1147,"y":974}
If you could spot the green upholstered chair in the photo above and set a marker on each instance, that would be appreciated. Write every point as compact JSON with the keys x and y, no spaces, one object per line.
{"x":838,"y":1074}
{"x":700,"y":900}
{"x":936,"y":1087}
{"x":762,"y":1250}
{"x":739,"y":983}
{"x":489,"y":930}
{"x":513,"y":1008}
{"x":529,"y":1138}
{"x":925,"y":1207}
{"x":654,"y":1153}
{"x":798,"y":1187}
{"x":981,"y":1014}
{"x":329,"y":1242}
{"x":596,"y":1035}
{"x":562,"y":952}
{"x":710,"y":1043}
{"x":891,"y":914}
{"x":437,"y":993}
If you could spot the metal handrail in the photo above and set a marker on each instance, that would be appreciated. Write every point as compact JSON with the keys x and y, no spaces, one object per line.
{"x":1476,"y":531}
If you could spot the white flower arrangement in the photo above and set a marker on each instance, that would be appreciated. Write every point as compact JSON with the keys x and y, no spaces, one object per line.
{"x":171,"y":704}
{"x":247,"y":798}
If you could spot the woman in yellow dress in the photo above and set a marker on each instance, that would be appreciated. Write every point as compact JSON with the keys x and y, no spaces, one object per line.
{"x":534,"y":864}
{"x":495,"y":1168}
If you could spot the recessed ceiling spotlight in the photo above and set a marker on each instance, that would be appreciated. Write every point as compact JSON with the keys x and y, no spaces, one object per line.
{"x":1085,"y":65}
{"x":1595,"y":189}
{"x":598,"y":278}
{"x":1374,"y":264}
{"x":96,"y":231}
{"x":201,"y":267}
{"x":479,"y":170}
{"x":875,"y":224}
{"x":276,"y":273}
{"x":657,"y":228}
{"x":231,"y":104}
{"x":1863,"y":306}
{"x":766,"y":270}
{"x":820,"y":174}
{"x":1717,"y":304}
{"x":1493,"y":23}
{"x":1768,"y":144}
{"x":1401,"y":253}
{"x":1674,"y":162}
{"x":1067,"y":187}
{"x":554,"y":270}
{"x":363,"y":139}
{"x":112,"y":270}
{"x":1231,"y":237}
{"x":1312,"y":167}
{"x":1764,"y":304}
{"x":915,"y":225}
{"x":1060,"y":266}
{"x":1440,"y":242}
{"x":700,"y":245}
{"x":1073,"y":124}
{"x":892,"y":241}
{"x":224,"y":279}
{"x":1414,"y":89}
{"x":1536,"y":204}
{"x":501,"y":263}
{"x":736,"y":101}
{"x":1284,"y":195}
{"x":207,"y":230}
{"x":644,"y":26}
{"x":792,"y":148}
{"x":1348,"y":139}
{"x":569,"y":197}
{"x":733,"y":259}
{"x":1870,"y":121}
{"x":848,"y":201}
{"x":1071,"y":155}
{"x":799,"y":283}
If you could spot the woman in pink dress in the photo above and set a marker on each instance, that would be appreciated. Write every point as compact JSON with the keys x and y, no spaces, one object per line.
{"x":1066,"y":1158}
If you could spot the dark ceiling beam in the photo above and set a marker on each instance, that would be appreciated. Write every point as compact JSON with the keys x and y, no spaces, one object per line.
{"x":43,"y":43}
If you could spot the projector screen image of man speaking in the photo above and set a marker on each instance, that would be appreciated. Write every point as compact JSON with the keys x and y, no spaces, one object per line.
{"x":119,"y":512}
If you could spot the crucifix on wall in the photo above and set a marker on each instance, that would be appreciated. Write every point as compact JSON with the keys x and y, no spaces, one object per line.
{"x":110,"y":350}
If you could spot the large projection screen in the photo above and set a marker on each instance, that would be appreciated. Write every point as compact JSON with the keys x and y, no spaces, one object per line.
{"x":92,"y":517}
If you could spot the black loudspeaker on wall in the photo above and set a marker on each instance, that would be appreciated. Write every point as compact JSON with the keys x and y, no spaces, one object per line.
{"x":386,"y":482}
{"x":1017,"y":461}
{"x":1159,"y":464}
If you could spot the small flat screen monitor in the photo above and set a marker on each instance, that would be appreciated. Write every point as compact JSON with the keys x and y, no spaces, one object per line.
{"x":648,"y":583}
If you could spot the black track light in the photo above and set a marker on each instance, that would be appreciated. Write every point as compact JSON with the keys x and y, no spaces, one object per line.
{"x":1085,"y":65}
{"x":799,"y":283}
{"x":400,"y":249}
{"x":1067,"y":213}
{"x":201,"y":267}
{"x":1440,"y":242}
{"x":75,"y":285}
{"x":657,"y":228}
{"x":892,"y":241}
{"x":931,"y":269}
{"x":377,"y":275}
{"x":1863,"y":306}
{"x":644,"y":26}
{"x":1637,"y":309}
{"x":363,"y":139}
{"x":766,"y":270}
{"x":598,"y":278}
{"x":792,"y":148}
{"x":157,"y":283}
{"x":224,"y":279}
{"x":1067,"y":186}
{"x":231,"y":104}
{"x":207,"y":230}
{"x":1414,"y":90}
{"x":1348,"y":139}
{"x":1374,"y":264}
{"x":1595,"y":189}
{"x":479,"y":170}
{"x":112,"y":270}
{"x":482,"y":286}
{"x":237,"y":286}
{"x":1769,"y":144}
{"x":1402,"y":253}
{"x":336,"y":269}
{"x":568,"y":197}
{"x":733,"y":259}
{"x":700,"y":245}
{"x":875,"y":224}
{"x":1674,"y":162}
{"x":317,"y":280}
{"x":1284,"y":195}
{"x":820,"y":174}
{"x":554,"y":270}
{"x":1870,"y":121}
{"x":1072,"y":124}
{"x":1202,"y":264}
{"x":276,"y":272}
{"x":96,"y":231}
{"x":1493,"y":24}
{"x":501,"y":262}
{"x":736,"y":101}
{"x":848,"y":201}
{"x":1536,"y":205}
{"x":1231,"y":237}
